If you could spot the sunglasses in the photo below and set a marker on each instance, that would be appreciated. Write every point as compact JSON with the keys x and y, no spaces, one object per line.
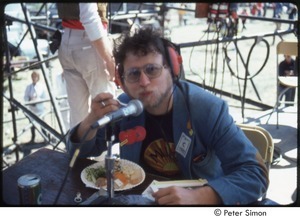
{"x":152,"y":71}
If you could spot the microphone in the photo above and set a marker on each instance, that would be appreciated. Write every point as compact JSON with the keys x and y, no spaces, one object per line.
{"x":131,"y":136}
{"x":133,"y":108}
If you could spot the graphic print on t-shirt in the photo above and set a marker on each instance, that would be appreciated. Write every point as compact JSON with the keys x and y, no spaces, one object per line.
{"x":160,"y":155}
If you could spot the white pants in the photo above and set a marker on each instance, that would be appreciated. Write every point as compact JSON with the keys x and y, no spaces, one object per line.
{"x":83,"y":71}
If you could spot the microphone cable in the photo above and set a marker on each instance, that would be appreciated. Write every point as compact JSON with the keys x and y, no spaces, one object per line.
{"x":71,"y":164}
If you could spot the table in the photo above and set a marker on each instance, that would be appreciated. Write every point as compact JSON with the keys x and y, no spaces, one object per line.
{"x":289,"y":81}
{"x":52,"y":166}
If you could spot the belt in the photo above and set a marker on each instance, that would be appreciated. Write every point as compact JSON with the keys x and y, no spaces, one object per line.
{"x":75,"y":32}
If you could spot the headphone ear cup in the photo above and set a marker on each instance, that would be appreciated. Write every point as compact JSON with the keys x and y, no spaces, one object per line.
{"x":175,"y":60}
{"x":118,"y":81}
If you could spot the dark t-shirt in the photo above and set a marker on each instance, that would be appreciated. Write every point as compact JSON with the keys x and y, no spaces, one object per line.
{"x":285,"y":66}
{"x":158,"y":149}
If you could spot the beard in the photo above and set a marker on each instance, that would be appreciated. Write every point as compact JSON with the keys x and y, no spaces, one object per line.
{"x":159,"y":100}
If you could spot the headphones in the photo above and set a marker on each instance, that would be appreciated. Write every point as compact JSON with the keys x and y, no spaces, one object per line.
{"x":174,"y":60}
{"x":118,"y":80}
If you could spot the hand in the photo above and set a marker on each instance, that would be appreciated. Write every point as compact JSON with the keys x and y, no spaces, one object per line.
{"x":103,"y":47}
{"x":181,"y":196}
{"x":288,"y":73}
{"x":111,"y":68}
{"x":173,"y":196}
{"x":102,"y":104}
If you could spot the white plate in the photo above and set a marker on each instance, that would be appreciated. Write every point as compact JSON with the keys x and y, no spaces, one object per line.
{"x":127,"y":166}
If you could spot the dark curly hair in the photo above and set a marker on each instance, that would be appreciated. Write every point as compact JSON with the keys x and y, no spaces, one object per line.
{"x":142,"y":42}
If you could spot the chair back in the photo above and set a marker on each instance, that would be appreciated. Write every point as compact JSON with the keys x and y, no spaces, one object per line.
{"x":262,"y":140}
{"x":287,"y":48}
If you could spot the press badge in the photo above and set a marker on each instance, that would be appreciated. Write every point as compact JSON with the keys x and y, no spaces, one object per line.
{"x":183,"y":145}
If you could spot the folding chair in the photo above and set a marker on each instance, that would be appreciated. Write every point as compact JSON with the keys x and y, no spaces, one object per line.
{"x":285,"y":48}
{"x":262,"y":140}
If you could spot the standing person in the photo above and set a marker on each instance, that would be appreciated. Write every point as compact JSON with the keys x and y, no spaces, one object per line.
{"x":260,"y":8}
{"x":85,"y":54}
{"x":277,"y":11}
{"x":181,"y":14}
{"x":277,"y":7}
{"x":287,"y":68}
{"x":233,"y":8}
{"x":292,"y":13}
{"x":190,"y":134}
{"x":244,"y":12}
{"x":253,"y":9}
{"x":35,"y":92}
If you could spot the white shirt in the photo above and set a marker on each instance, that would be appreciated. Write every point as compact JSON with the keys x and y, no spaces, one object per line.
{"x":91,"y":21}
{"x":34,"y":93}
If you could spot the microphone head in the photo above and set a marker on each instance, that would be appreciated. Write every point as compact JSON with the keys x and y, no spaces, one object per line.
{"x":138,"y":106}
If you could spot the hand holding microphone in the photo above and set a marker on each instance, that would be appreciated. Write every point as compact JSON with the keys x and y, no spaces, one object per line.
{"x":131,"y":136}
{"x":133,"y":108}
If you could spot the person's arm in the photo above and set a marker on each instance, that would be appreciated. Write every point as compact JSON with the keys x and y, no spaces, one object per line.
{"x":91,"y":21}
{"x":296,"y":63}
{"x":44,"y":94}
{"x":26,"y":94}
{"x":241,"y":163}
{"x":281,"y":69}
{"x":242,"y":168}
{"x":180,"y":196}
{"x":103,"y":47}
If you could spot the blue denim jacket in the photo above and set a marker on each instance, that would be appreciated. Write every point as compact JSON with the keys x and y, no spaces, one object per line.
{"x":211,"y":147}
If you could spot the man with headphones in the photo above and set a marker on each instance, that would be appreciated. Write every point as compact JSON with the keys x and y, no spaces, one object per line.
{"x":190,"y":134}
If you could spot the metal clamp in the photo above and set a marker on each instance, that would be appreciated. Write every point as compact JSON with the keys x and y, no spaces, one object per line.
{"x":78,"y":198}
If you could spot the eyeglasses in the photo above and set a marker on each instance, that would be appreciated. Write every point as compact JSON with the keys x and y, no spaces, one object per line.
{"x":151,"y":70}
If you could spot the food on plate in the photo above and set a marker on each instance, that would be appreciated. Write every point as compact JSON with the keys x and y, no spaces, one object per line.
{"x":125,"y":175}
{"x":92,"y":174}
{"x":122,"y":177}
{"x":101,"y":181}
{"x":135,"y":177}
